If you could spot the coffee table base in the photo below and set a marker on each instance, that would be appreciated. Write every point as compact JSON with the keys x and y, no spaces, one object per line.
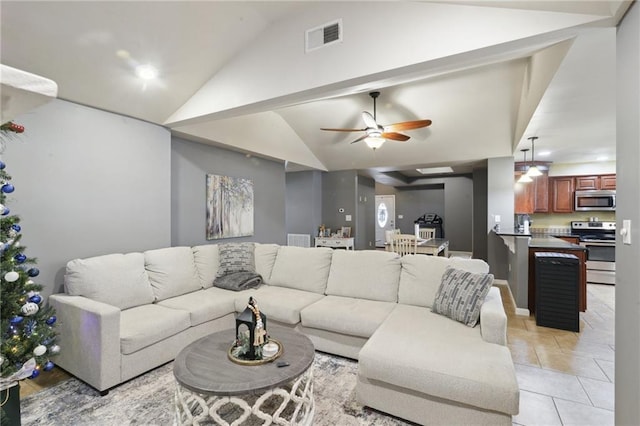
{"x":291,"y":404}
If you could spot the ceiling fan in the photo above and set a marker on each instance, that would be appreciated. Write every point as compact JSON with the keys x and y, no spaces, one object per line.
{"x":376,"y":134}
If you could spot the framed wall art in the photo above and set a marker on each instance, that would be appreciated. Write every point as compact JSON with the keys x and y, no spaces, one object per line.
{"x":229,"y":207}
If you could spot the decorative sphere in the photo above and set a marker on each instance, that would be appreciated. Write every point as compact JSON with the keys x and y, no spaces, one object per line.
{"x":5,"y":211}
{"x":35,"y":299}
{"x":20,"y":258}
{"x":33,"y":272}
{"x":16,"y":227}
{"x":40,"y":350}
{"x":51,"y":320}
{"x":7,"y":188}
{"x":16,"y":320}
{"x":35,"y":373}
{"x":2,"y":165}
{"x":11,"y":276}
{"x":29,"y":308}
{"x":48,"y":366}
{"x":55,"y":349}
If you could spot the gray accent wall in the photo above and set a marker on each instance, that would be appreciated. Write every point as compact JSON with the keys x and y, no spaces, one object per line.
{"x":192,"y":161}
{"x":339,"y":191}
{"x":365,"y":238}
{"x":500,"y":201}
{"x":480,"y":228}
{"x":451,"y":198}
{"x":88,"y":183}
{"x":303,"y":202}
{"x":627,"y":361}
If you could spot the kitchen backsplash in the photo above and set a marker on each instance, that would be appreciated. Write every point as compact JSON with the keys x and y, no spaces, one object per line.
{"x":560,"y":223}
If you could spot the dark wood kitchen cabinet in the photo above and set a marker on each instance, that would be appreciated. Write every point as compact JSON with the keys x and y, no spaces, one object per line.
{"x":608,"y":182}
{"x":595,"y":182}
{"x":562,"y":194}
{"x":541,"y":194}
{"x":532,"y":197}
{"x":584,"y":183}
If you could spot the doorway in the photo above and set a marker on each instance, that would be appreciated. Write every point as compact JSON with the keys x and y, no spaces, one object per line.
{"x":385,"y":217}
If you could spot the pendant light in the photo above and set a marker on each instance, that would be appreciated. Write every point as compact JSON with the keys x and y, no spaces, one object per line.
{"x":533,"y":170}
{"x":525,"y":178}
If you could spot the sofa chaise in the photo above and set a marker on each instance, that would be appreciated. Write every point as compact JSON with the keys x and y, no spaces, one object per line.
{"x":124,"y":314}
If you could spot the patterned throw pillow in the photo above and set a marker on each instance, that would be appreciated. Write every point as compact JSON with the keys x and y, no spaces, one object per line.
{"x":461,"y":295}
{"x":236,"y":257}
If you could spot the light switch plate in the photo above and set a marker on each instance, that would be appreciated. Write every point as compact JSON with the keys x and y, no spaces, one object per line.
{"x":626,"y":231}
{"x":347,"y":218}
{"x":400,"y":216}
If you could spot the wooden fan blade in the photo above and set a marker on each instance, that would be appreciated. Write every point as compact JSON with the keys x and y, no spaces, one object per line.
{"x":360,"y":138}
{"x":407,"y":125}
{"x":369,"y":120}
{"x":395,"y":136}
{"x":345,"y":130}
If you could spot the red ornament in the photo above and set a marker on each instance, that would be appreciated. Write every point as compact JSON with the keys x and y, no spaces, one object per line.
{"x":16,"y":128}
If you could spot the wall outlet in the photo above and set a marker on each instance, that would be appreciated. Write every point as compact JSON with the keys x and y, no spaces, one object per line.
{"x":400,"y":216}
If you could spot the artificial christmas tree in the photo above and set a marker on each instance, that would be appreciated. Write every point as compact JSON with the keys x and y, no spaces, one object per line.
{"x":27,"y":334}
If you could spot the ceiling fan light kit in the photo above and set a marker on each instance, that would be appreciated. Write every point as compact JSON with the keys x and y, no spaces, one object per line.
{"x":376,"y":134}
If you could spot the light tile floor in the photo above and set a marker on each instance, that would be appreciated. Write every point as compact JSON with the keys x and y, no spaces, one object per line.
{"x":565,"y":378}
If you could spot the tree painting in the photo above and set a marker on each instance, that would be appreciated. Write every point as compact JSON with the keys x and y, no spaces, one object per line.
{"x":229,"y":207}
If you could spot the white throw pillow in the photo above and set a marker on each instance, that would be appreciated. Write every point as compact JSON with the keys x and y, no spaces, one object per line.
{"x":116,"y":279}
{"x":302,"y":268}
{"x":265,"y":258}
{"x":207,"y":263}
{"x":172,"y":271}
{"x":365,"y":274}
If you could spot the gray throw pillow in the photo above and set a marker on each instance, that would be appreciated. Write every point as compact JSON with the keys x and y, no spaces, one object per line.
{"x":461,"y":295}
{"x":236,"y":257}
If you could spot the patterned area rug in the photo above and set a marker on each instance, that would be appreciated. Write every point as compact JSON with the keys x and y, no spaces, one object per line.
{"x":148,"y":400}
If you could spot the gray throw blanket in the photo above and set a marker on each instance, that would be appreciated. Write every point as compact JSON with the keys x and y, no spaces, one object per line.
{"x":238,"y":281}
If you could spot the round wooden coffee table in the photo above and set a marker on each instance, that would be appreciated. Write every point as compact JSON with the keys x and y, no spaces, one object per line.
{"x":210,"y":387}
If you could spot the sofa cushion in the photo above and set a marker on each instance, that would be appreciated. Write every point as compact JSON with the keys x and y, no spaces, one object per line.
{"x":207,"y":263}
{"x":302,"y":268}
{"x":278,"y":303}
{"x":364,"y":274}
{"x":145,"y":325}
{"x":461,"y":294}
{"x":172,"y":271}
{"x":265,"y":257}
{"x":116,"y":279}
{"x":346,"y":315}
{"x":421,"y":276}
{"x":235,"y":257}
{"x":419,"y":350}
{"x":203,"y":305}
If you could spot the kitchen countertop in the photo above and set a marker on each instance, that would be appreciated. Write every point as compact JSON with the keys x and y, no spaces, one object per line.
{"x":513,"y":233}
{"x":553,"y":243}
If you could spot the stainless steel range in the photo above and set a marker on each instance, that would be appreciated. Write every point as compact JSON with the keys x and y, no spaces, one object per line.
{"x":600,"y":240}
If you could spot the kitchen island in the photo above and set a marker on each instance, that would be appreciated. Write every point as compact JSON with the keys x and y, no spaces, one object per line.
{"x":543,"y":243}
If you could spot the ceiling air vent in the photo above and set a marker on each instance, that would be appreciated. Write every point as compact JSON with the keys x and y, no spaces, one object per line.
{"x":323,"y":35}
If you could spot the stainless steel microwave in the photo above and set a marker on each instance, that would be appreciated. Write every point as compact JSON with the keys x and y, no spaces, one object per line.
{"x":595,"y":200}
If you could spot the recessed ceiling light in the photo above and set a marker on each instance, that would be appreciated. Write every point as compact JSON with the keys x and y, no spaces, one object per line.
{"x":146,"y":72}
{"x":544,"y":153}
{"x":435,"y":170}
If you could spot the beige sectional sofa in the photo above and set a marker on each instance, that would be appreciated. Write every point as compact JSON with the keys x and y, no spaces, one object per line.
{"x":124,"y":314}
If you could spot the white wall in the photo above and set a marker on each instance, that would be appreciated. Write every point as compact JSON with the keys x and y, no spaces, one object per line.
{"x":88,"y":182}
{"x":627,"y":408}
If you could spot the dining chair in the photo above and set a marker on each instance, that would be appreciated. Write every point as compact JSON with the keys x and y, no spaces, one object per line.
{"x":427,"y":233}
{"x":404,"y":244}
{"x":388,"y":235}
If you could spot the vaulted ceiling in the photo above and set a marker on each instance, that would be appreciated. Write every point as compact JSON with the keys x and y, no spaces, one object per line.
{"x":489,"y":74}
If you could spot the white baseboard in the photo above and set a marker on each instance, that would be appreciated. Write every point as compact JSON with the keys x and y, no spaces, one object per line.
{"x":519,"y":311}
